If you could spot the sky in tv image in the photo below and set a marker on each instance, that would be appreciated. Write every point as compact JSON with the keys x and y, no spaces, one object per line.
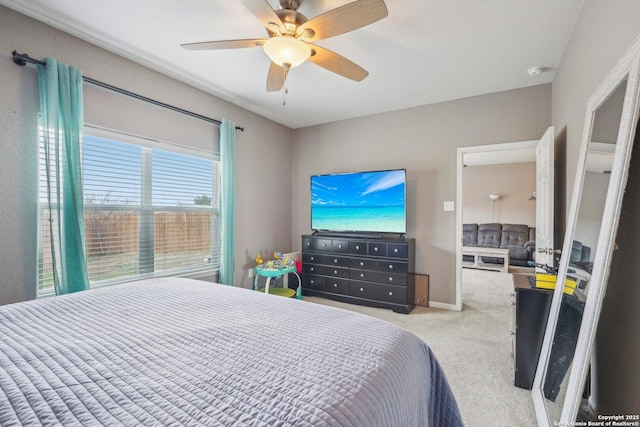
{"x":383,"y":188}
{"x":366,"y":201}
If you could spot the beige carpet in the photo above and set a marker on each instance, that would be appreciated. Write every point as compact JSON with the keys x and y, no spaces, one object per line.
{"x":473,"y":347}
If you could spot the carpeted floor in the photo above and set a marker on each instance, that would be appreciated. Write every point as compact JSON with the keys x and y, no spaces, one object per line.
{"x":473,"y":347}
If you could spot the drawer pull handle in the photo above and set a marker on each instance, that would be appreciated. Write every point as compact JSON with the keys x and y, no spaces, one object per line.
{"x":324,"y":244}
{"x":395,"y":250}
{"x":335,"y":271}
{"x":361,"y":264}
{"x":339,"y":246}
{"x":357,"y":247}
{"x":390,"y":266}
{"x":390,"y":294}
{"x":312,"y":281}
{"x":361,"y":274}
{"x":335,"y":285}
{"x":361,"y":289}
{"x":375,"y":249}
{"x":391,"y":279}
{"x":313,"y":258}
{"x":335,"y":261}
{"x":312,"y":269}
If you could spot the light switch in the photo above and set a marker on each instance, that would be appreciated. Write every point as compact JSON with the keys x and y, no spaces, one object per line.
{"x":448,"y":206}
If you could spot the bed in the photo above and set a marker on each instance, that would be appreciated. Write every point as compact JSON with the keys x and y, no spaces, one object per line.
{"x":182,"y":352}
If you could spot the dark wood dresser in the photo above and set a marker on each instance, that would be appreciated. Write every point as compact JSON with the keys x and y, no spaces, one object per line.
{"x":371,"y":272}
{"x":531,"y":313}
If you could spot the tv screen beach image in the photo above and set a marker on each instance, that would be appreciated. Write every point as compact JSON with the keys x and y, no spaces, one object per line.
{"x":364,"y":201}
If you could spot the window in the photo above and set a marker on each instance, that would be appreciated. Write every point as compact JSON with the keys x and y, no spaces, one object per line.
{"x":150,"y":209}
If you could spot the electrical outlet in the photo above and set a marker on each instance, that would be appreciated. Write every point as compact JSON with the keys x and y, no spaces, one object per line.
{"x":250,"y":273}
{"x":448,"y":206}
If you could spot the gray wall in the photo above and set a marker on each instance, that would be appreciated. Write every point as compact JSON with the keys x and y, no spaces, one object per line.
{"x":513,"y":182}
{"x":261,"y":224}
{"x":602,"y":34}
{"x":424,"y":140}
{"x":617,"y":376}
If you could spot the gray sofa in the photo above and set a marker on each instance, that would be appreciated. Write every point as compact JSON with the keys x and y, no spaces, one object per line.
{"x":519,"y":239}
{"x":581,"y":256}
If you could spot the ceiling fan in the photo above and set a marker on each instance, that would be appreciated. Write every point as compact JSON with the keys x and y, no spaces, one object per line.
{"x":291,"y":35}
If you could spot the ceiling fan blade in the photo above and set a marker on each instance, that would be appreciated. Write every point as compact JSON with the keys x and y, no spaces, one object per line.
{"x":343,"y":19}
{"x":224,"y":44}
{"x":337,"y":64}
{"x":264,"y":12}
{"x":276,"y":77}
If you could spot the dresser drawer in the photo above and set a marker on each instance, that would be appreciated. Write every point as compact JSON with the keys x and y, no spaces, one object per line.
{"x":377,"y":291}
{"x":336,"y":261}
{"x":311,"y":281}
{"x":322,"y":245}
{"x":312,"y":258}
{"x":358,"y":248}
{"x":398,"y":250}
{"x":336,"y":285}
{"x":313,"y":269}
{"x":392,"y":267}
{"x":336,"y":271}
{"x":307,"y":243}
{"x":315,"y":244}
{"x":363,"y":264}
{"x":398,"y":279}
{"x":377,"y":249}
{"x":340,"y":246}
{"x":363,"y":275}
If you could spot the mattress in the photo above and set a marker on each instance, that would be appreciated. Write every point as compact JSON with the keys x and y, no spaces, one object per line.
{"x":182,"y":352}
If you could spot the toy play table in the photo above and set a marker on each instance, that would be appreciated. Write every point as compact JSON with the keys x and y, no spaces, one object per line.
{"x":269,"y":273}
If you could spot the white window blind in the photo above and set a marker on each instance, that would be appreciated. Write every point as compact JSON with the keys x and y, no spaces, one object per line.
{"x":149,"y":208}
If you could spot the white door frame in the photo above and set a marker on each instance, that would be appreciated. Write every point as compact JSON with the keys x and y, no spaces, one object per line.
{"x":520,"y":145}
{"x":545,"y":184}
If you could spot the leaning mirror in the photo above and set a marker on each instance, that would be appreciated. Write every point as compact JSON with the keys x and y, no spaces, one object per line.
{"x":588,"y":244}
{"x":584,"y":246}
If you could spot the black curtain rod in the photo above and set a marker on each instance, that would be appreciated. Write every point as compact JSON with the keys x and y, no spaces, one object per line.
{"x":22,"y":59}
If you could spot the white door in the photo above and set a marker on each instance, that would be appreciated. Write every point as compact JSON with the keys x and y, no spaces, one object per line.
{"x":544,"y":199}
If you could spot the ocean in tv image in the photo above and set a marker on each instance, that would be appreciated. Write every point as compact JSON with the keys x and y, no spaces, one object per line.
{"x":365,"y":201}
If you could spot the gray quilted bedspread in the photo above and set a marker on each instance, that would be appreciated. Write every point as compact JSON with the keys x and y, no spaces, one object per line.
{"x":180,"y":352}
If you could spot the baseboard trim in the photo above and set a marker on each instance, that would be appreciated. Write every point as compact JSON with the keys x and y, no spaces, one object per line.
{"x":443,"y":306}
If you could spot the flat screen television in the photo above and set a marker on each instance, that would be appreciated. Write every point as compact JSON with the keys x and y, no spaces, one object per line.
{"x":373,"y":201}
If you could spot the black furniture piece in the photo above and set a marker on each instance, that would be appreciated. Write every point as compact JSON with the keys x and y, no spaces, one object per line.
{"x":531,"y":313}
{"x":371,"y":272}
{"x":564,"y":345}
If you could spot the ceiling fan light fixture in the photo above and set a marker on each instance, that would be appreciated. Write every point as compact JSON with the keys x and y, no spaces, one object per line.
{"x":287,"y":51}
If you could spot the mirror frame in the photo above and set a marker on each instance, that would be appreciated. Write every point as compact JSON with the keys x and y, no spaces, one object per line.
{"x":626,"y":68}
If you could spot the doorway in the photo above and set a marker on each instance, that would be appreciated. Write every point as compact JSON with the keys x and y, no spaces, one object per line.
{"x":540,"y":152}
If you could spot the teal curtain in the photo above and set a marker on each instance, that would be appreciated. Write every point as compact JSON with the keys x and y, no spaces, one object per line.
{"x":227,"y":201}
{"x":62,"y":120}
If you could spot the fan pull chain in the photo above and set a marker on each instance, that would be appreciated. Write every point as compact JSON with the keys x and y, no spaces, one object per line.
{"x":286,"y":90}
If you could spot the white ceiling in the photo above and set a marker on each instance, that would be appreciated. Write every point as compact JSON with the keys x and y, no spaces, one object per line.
{"x":425,"y":51}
